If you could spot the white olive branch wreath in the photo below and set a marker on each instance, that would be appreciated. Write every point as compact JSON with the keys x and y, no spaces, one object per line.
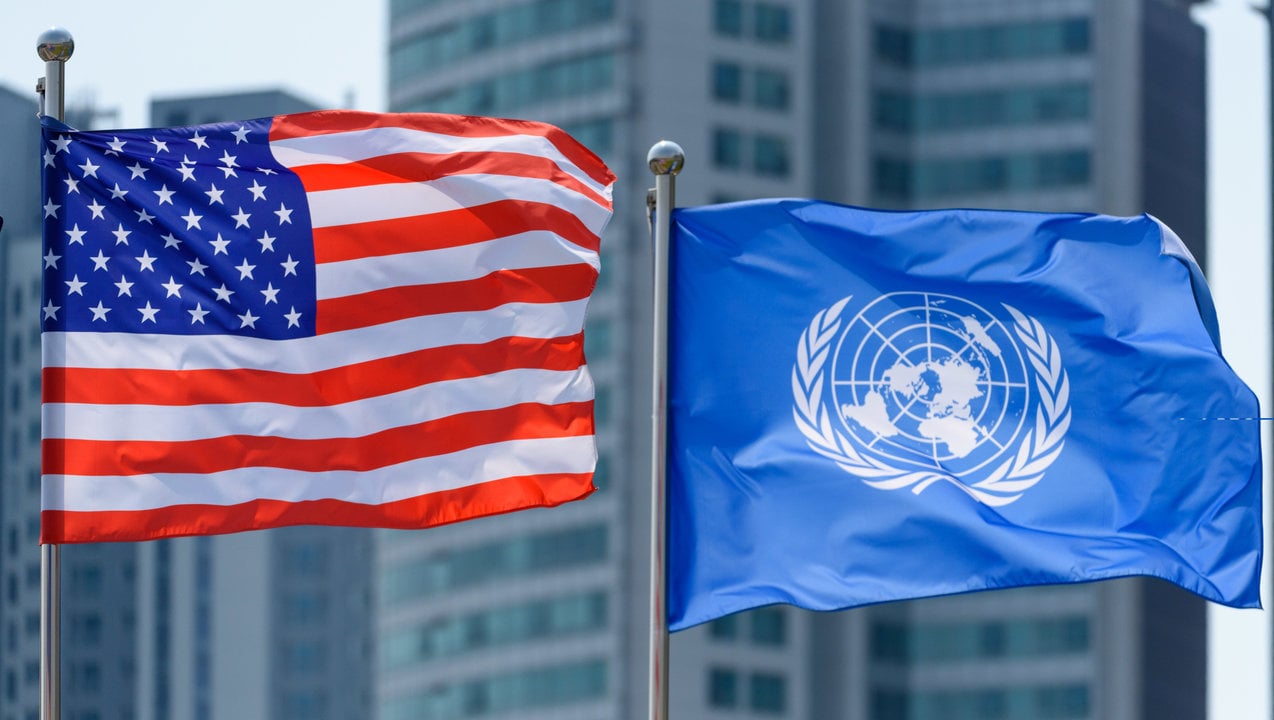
{"x":1038,"y":448}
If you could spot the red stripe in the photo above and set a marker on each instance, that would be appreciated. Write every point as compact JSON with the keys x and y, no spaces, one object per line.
{"x":563,"y":283}
{"x":490,"y":498}
{"x":325,"y":122}
{"x":413,"y":167}
{"x":451,"y":228}
{"x":126,"y":386}
{"x":527,"y":421}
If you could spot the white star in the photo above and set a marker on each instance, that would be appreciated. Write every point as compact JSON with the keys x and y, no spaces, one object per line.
{"x":75,"y":286}
{"x":116,"y":146}
{"x":196,"y":315}
{"x":241,"y":219}
{"x":143,"y":216}
{"x":99,"y":312}
{"x":294,"y":318}
{"x":245,"y":270}
{"x":267,"y":242}
{"x":214,"y":195}
{"x":51,"y":260}
{"x":248,"y":319}
{"x":265,"y":171}
{"x":270,"y":292}
{"x":121,"y":235}
{"x":199,"y":140}
{"x":219,"y":245}
{"x":97,"y":209}
{"x":187,"y":172}
{"x":117,"y":193}
{"x":240,"y":135}
{"x":125,"y":287}
{"x":229,"y":160}
{"x":285,"y":215}
{"x":160,"y":145}
{"x":99,"y":261}
{"x":51,"y":311}
{"x":146,"y":261}
{"x":62,"y":143}
{"x":51,"y":209}
{"x":48,"y":158}
{"x":229,"y":172}
{"x":257,"y":190}
{"x":171,"y":241}
{"x":289,"y":266}
{"x":192,"y":220}
{"x":90,"y":170}
{"x":165,"y":195}
{"x":137,"y":171}
{"x":76,"y":234}
{"x":148,"y":312}
{"x":72,"y":185}
{"x":196,"y":267}
{"x":223,"y":293}
{"x":173,"y":287}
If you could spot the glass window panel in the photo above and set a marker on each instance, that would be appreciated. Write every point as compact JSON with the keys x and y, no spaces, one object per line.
{"x":727,"y":81}
{"x":769,"y":626}
{"x":770,"y":89}
{"x":985,"y":43}
{"x":770,"y":156}
{"x":726,"y":628}
{"x":727,"y":148}
{"x":773,"y":22}
{"x":723,"y":688}
{"x":768,"y":693}
{"x":727,"y":17}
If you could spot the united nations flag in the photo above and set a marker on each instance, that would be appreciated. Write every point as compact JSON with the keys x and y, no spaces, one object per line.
{"x":868,"y":406}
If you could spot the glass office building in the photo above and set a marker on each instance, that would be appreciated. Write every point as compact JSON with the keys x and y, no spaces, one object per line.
{"x":1091,"y":105}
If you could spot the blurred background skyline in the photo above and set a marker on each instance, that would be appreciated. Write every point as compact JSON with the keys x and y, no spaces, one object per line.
{"x":126,"y":58}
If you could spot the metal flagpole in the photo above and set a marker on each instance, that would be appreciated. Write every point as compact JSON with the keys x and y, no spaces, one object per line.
{"x":54,"y":46}
{"x":666,"y":160}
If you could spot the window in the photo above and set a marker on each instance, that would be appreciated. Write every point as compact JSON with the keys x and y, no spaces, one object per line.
{"x":723,"y":688}
{"x":727,"y":17}
{"x":773,"y":23}
{"x":726,"y":628}
{"x":770,"y":156}
{"x":770,"y":90}
{"x":768,"y":693}
{"x":727,"y":148}
{"x":727,"y":82}
{"x":769,"y":626}
{"x":597,"y":340}
{"x":982,"y":43}
{"x":523,"y":690}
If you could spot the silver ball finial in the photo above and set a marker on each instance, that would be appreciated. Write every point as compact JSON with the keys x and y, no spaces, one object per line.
{"x":55,"y":43}
{"x":666,"y":158}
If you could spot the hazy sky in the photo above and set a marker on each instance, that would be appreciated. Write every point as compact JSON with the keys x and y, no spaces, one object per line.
{"x":128,"y":53}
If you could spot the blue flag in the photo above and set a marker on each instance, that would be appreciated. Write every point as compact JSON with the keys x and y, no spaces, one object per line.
{"x":871,"y":406}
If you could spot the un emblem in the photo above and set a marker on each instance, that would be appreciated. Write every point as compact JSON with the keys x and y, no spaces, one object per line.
{"x":919,"y":388}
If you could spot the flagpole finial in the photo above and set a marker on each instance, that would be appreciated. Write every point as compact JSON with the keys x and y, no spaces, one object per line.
{"x":666,"y":158}
{"x":55,"y":45}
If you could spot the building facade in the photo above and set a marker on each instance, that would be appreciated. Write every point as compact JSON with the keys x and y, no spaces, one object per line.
{"x":1066,"y":105}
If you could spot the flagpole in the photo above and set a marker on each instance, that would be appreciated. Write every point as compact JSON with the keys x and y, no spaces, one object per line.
{"x":54,"y":47}
{"x":666,"y":159}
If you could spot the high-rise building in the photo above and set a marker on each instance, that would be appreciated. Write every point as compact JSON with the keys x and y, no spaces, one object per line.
{"x":273,"y":624}
{"x":1091,"y":105}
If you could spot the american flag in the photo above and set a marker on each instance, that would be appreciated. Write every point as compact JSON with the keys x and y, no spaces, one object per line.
{"x":334,"y":318}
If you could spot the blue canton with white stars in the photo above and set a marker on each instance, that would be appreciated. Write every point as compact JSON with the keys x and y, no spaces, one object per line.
{"x":188,"y":231}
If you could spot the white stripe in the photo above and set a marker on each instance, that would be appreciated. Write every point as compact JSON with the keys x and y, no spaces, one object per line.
{"x":348,"y":420}
{"x":311,"y":354}
{"x":467,"y":467}
{"x":534,"y":249}
{"x":347,"y":147}
{"x":347,"y":206}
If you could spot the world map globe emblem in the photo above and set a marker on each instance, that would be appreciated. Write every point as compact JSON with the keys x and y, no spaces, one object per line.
{"x":915,"y":388}
{"x":930,"y":380}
